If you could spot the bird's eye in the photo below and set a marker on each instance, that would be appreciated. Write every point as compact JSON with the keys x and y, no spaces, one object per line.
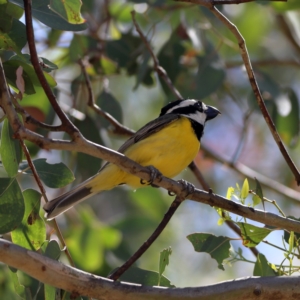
{"x":198,"y":105}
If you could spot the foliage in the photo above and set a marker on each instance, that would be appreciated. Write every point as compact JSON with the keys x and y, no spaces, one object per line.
{"x":202,"y":60}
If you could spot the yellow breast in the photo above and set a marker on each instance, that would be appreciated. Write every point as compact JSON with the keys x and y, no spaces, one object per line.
{"x":170,"y":150}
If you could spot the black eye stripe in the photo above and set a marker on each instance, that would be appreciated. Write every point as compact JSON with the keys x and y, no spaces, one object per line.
{"x":176,"y":107}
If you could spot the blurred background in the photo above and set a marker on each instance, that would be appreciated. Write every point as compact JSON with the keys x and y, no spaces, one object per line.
{"x":202,"y":59}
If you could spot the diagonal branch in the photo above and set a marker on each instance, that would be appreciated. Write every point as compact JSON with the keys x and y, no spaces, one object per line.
{"x":254,"y":85}
{"x":210,"y":3}
{"x":66,"y":123}
{"x":118,"y":127}
{"x":159,"y":69}
{"x":161,"y":226}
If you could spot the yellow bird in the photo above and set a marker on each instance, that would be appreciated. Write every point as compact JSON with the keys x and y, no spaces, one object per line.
{"x":168,"y":143}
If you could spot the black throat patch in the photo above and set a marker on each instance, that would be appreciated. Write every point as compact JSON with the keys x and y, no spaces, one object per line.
{"x":198,"y":129}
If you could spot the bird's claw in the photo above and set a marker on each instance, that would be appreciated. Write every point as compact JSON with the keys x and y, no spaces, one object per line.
{"x":154,"y":174}
{"x":187,"y":189}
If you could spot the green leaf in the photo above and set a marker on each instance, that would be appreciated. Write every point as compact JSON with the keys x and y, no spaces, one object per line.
{"x":10,"y":150}
{"x":12,"y":208}
{"x":121,"y":11}
{"x":94,"y":239}
{"x":31,"y":233}
{"x":15,"y":39}
{"x":169,"y":58}
{"x":5,"y":19}
{"x":52,"y":250}
{"x":121,"y":51}
{"x":16,"y":61}
{"x":42,"y":12}
{"x":90,"y":131}
{"x":291,"y":241}
{"x":14,"y":10}
{"x":217,"y":246}
{"x":259,"y":197}
{"x":245,"y":189}
{"x":210,"y":75}
{"x":252,"y":235}
{"x":263,"y":268}
{"x":38,"y":100}
{"x":81,"y":45}
{"x":68,"y":10}
{"x":286,"y":6}
{"x":19,"y":288}
{"x":108,"y":66}
{"x":230,"y":192}
{"x":4,"y":184}
{"x":109,"y":103}
{"x":258,"y":190}
{"x":144,"y":277}
{"x":143,"y":69}
{"x":286,"y":234}
{"x":53,"y":175}
{"x":164,"y":261}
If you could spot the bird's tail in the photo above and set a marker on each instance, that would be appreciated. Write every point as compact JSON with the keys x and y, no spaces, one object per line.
{"x":65,"y":201}
{"x":109,"y":177}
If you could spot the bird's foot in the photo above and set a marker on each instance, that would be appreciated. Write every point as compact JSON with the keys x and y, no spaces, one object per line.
{"x":187,"y":189}
{"x":154,"y":174}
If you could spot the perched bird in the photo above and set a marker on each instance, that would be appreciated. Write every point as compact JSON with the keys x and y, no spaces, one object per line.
{"x":168,"y":143}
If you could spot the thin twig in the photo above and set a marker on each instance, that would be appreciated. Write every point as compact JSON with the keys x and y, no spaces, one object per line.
{"x":31,"y":120}
{"x":265,"y":62}
{"x":206,"y":187}
{"x":66,"y":123}
{"x":250,"y":173}
{"x":145,"y":246}
{"x":159,"y":69}
{"x":43,"y":192}
{"x":118,"y":127}
{"x":211,"y":3}
{"x":254,"y":85}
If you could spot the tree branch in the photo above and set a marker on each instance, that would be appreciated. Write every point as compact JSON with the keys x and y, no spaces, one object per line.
{"x":78,"y":282}
{"x":211,"y":3}
{"x":253,"y":82}
{"x":118,"y":127}
{"x":161,"y":226}
{"x":159,"y":69}
{"x":130,"y":166}
{"x":250,"y":173}
{"x":66,"y":123}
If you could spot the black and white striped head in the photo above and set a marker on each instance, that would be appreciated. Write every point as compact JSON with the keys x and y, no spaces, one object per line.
{"x":195,"y":110}
{"x":192,"y":109}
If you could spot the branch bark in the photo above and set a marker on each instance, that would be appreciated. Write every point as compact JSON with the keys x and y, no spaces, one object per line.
{"x":81,"y":283}
{"x":255,"y":88}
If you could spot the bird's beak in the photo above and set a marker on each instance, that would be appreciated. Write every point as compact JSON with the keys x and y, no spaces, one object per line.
{"x":211,"y":112}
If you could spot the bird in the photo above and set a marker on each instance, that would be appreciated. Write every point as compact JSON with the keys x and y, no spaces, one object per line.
{"x":168,"y":144}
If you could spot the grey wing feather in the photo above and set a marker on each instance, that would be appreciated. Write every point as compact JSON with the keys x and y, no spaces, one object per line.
{"x":147,"y":130}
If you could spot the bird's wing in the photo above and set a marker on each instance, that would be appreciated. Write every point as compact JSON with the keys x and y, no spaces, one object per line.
{"x":148,"y":129}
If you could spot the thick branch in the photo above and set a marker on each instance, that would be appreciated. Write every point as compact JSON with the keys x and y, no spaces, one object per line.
{"x":81,"y":283}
